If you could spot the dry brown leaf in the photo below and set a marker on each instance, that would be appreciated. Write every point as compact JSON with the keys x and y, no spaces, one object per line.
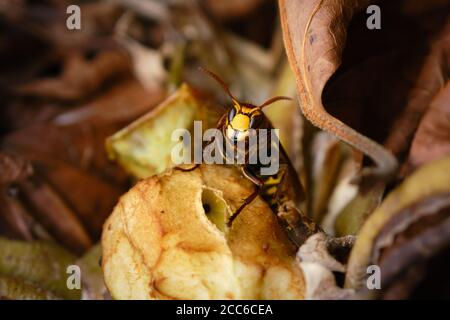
{"x":432,"y":78}
{"x":13,"y":168}
{"x":314,"y":36}
{"x":80,"y":145}
{"x":15,"y":220}
{"x":91,"y":198}
{"x":47,"y":21}
{"x":82,"y":182}
{"x":86,"y":198}
{"x":41,"y":112}
{"x":54,"y":214}
{"x":432,"y":138}
{"x":32,"y":210}
{"x":122,"y":103}
{"x":80,"y":77}
{"x":231,"y":8}
{"x":72,"y":164}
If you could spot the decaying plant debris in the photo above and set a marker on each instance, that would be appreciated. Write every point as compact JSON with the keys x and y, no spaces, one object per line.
{"x":86,"y":119}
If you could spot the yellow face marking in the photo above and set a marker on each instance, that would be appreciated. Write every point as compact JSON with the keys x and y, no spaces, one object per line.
{"x":241,"y":122}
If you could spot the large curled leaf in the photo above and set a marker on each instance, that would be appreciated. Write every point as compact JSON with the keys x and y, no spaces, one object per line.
{"x":314,"y":35}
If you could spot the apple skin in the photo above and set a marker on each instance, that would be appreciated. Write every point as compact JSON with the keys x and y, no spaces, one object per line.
{"x":159,"y":243}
